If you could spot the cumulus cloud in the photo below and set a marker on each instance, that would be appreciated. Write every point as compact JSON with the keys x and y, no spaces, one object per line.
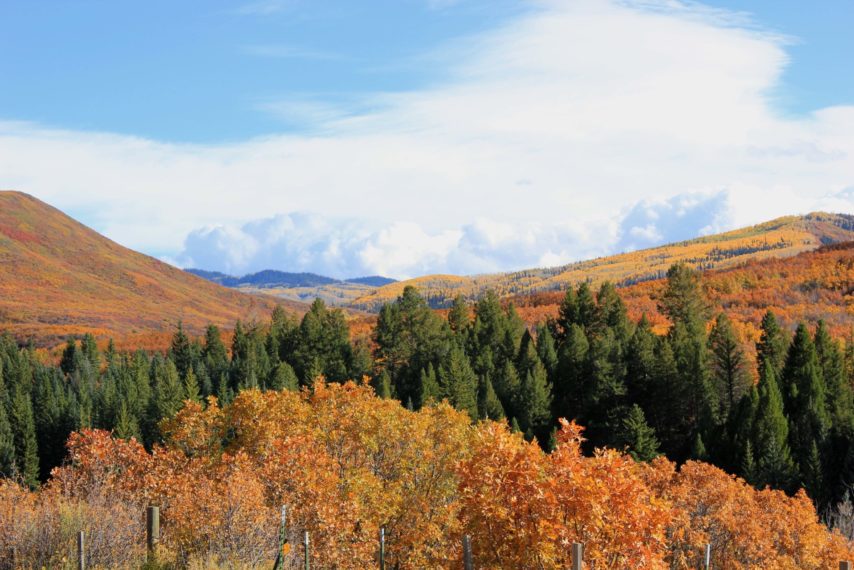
{"x":542,"y":137}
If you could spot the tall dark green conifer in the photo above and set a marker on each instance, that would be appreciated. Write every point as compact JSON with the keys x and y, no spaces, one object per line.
{"x":773,"y":460}
{"x":637,"y":437}
{"x":728,"y":363}
{"x":24,"y":438}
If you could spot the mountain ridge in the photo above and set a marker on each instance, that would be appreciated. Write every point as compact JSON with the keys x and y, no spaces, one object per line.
{"x":59,"y":277}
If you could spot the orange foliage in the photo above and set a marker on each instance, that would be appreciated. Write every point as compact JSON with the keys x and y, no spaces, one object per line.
{"x":348,"y":463}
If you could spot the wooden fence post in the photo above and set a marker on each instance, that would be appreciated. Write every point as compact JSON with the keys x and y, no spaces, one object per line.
{"x":577,"y":556}
{"x":307,"y":551}
{"x":152,"y":531}
{"x":468,"y":560}
{"x":81,"y":551}
{"x":707,"y":557}
{"x":845,"y":565}
{"x":382,"y":548}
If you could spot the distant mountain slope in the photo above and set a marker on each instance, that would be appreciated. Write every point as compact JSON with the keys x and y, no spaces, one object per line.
{"x":265,"y":279}
{"x":301,"y":287}
{"x":782,"y":237}
{"x":58,"y":277}
{"x":812,"y":285}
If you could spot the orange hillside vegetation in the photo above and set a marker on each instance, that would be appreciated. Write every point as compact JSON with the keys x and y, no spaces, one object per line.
{"x":807,"y":287}
{"x":58,"y":277}
{"x":783,"y":237}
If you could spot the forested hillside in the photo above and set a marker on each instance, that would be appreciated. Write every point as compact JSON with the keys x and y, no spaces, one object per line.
{"x":780,"y":238}
{"x":59,"y":277}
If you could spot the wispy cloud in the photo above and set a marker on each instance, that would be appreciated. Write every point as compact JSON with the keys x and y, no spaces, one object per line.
{"x":588,"y":102}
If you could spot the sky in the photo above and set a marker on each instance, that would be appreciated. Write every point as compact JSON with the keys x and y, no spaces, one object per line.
{"x":407,"y":137}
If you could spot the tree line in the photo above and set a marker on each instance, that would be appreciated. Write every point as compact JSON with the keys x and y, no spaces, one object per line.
{"x":692,"y":393}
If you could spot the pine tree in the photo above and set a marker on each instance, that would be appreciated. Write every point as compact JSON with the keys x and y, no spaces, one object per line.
{"x":571,"y":373}
{"x":840,"y":398}
{"x":89,"y":348}
{"x":536,"y":402}
{"x":382,"y":385}
{"x":180,"y":352}
{"x":488,"y":405}
{"x":806,"y":398}
{"x":508,"y":388}
{"x":728,"y":364}
{"x":459,"y":383}
{"x":429,"y":390}
{"x":458,"y":316}
{"x":7,"y":441}
{"x":772,"y":346}
{"x":698,"y":449}
{"x":283,"y":378}
{"x":770,"y":441}
{"x":191,"y":386}
{"x":567,"y":314}
{"x":24,"y":438}
{"x":126,"y":424}
{"x":683,"y":300}
{"x":588,"y":312}
{"x":547,"y":349}
{"x":638,"y":438}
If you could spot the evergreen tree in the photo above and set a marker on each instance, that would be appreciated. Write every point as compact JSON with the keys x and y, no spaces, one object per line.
{"x":459,"y":383}
{"x":806,"y":395}
{"x":488,"y":405}
{"x":547,"y":350}
{"x":571,"y":373}
{"x":126,"y":424}
{"x":508,"y":388}
{"x":89,"y":348}
{"x":567,"y":314}
{"x":698,"y":448}
{"x":638,"y":438}
{"x":536,"y":402}
{"x":180,"y":351}
{"x":770,"y":442}
{"x":7,"y":441}
{"x":67,"y":362}
{"x":458,"y":316}
{"x":191,"y":386}
{"x":588,"y":311}
{"x":728,"y":364}
{"x":683,"y":300}
{"x":283,"y":378}
{"x":772,"y":346}
{"x":840,"y":398}
{"x":214,"y":354}
{"x":24,"y":438}
{"x":382,"y":385}
{"x":429,"y":390}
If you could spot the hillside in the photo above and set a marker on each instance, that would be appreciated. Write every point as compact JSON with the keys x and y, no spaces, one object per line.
{"x":780,"y":238}
{"x":301,"y":287}
{"x":808,"y":287}
{"x":58,"y":277}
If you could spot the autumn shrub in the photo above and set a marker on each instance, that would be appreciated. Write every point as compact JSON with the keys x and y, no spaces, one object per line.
{"x":347,"y":464}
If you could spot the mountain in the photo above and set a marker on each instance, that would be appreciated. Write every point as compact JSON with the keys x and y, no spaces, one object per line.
{"x":807,"y":287}
{"x":267,"y":278}
{"x":58,"y":277}
{"x":300,"y":287}
{"x":783,"y":237}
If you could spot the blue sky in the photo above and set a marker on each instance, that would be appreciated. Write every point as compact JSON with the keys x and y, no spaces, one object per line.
{"x":417,"y":136}
{"x":207,"y":71}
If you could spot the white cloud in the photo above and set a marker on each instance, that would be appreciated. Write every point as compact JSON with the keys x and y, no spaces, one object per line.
{"x":545,"y":135}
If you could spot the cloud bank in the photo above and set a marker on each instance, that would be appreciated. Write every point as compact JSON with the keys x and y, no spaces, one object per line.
{"x":581,"y":128}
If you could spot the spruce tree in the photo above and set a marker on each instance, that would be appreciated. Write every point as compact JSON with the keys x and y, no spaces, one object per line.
{"x":180,"y":351}
{"x":806,"y":398}
{"x":536,"y":403}
{"x":458,"y":316}
{"x":840,"y":398}
{"x":637,"y":437}
{"x":429,"y":391}
{"x":7,"y":441}
{"x":547,"y":350}
{"x":488,"y":405}
{"x":571,"y":373}
{"x":770,"y":441}
{"x":772,"y":346}
{"x":191,"y":386}
{"x":126,"y":424}
{"x":728,"y":363}
{"x":459,"y":383}
{"x":283,"y":378}
{"x":89,"y":348}
{"x":382,"y":385}
{"x":24,"y":438}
